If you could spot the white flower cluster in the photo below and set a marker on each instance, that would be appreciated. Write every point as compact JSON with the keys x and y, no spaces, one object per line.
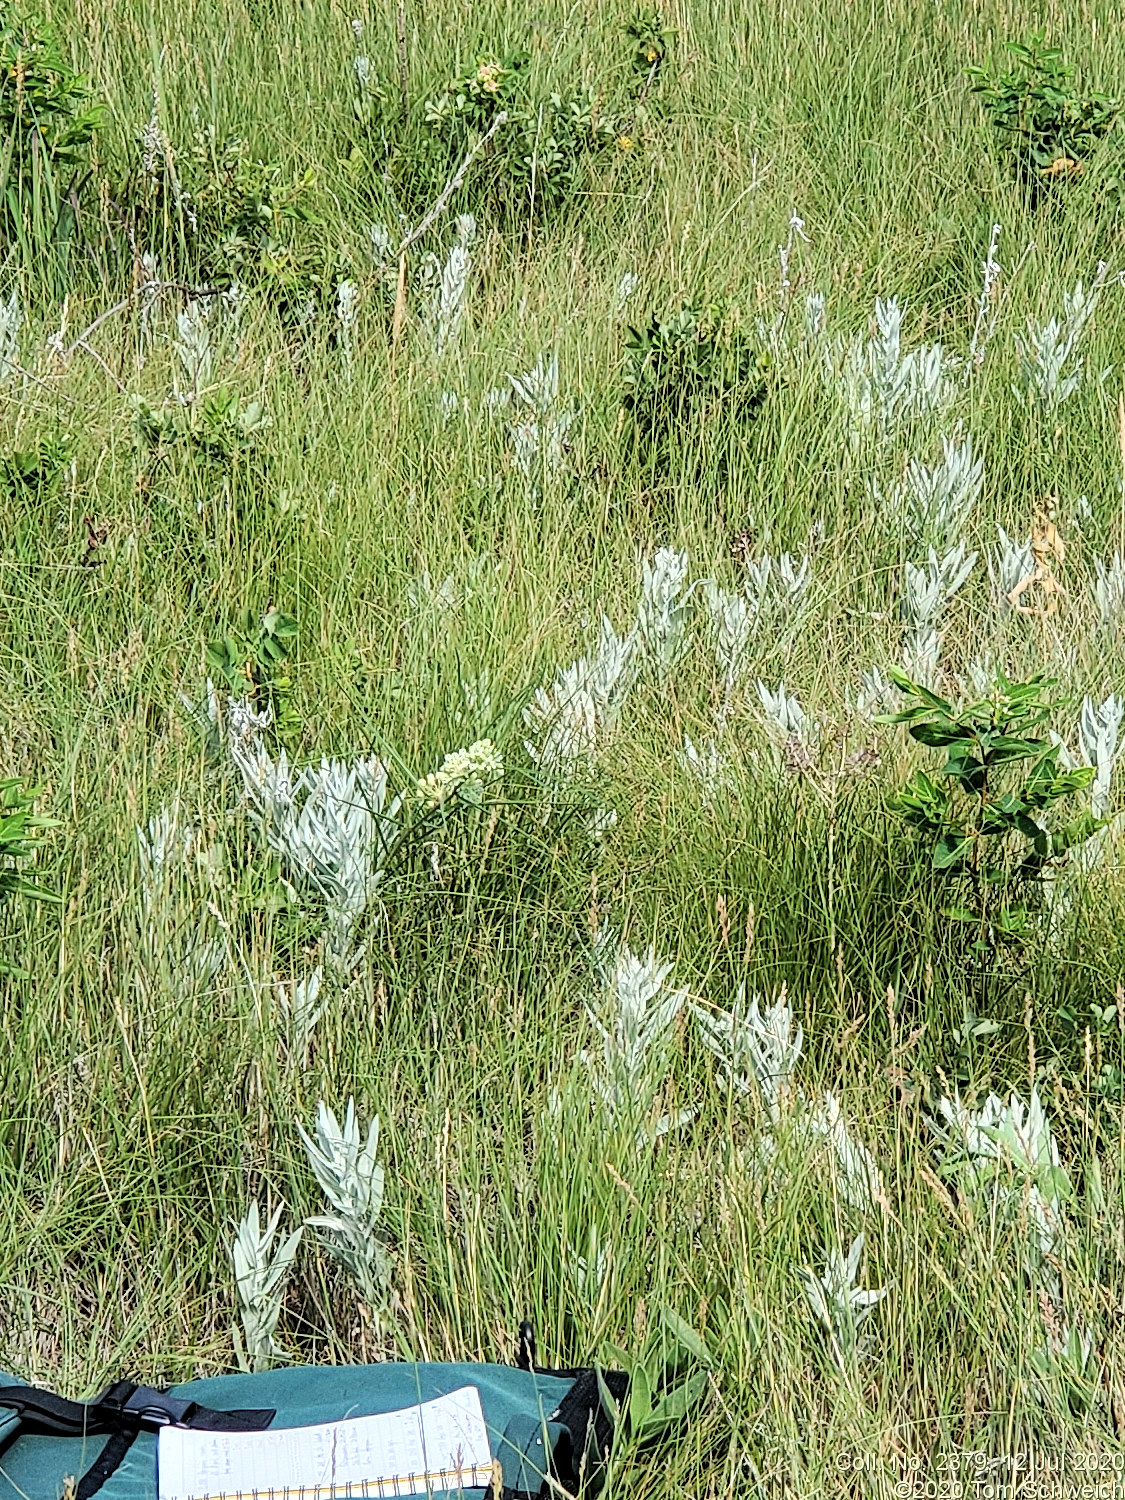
{"x":464,"y":774}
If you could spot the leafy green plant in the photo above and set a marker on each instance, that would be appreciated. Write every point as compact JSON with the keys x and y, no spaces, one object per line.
{"x":29,"y":474}
{"x":239,"y":217}
{"x":683,"y":373}
{"x":250,"y":660}
{"x":20,"y":830}
{"x":48,"y":116}
{"x":1049,"y":130}
{"x":219,"y":427}
{"x":666,"y":1380}
{"x":986,"y":817}
{"x":545,"y":151}
{"x":652,"y":40}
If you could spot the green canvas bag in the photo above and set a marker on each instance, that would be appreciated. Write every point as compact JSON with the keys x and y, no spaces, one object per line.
{"x":541,"y":1423}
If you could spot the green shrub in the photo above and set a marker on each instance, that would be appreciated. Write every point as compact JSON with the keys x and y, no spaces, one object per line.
{"x":683,"y":374}
{"x":20,"y":830}
{"x":1049,"y":131}
{"x":987,"y":817}
{"x":48,"y":116}
{"x":544,"y":155}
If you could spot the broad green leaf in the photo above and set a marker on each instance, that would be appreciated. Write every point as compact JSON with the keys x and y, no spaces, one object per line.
{"x":640,"y":1397}
{"x":675,"y":1406}
{"x":684,"y":1334}
{"x":609,"y":1405}
{"x":1004,"y":750}
{"x":918,"y":690}
{"x":627,"y":1361}
{"x":934,"y":732}
{"x":950,"y":849}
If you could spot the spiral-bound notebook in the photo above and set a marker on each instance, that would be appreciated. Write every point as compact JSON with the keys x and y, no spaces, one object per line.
{"x":437,"y":1445}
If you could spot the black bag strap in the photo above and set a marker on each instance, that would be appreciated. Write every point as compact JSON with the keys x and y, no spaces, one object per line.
{"x":580,"y":1409}
{"x":124,"y":1407}
{"x":120,"y":1412}
{"x":107,"y":1463}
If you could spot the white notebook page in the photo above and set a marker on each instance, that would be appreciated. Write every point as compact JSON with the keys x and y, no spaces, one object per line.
{"x":441,"y":1444}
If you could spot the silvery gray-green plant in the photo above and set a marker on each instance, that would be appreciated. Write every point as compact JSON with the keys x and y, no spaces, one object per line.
{"x":785,"y":719}
{"x":331,"y":824}
{"x":757,"y":1049}
{"x":260,"y":1273}
{"x":987,"y":310}
{"x":435,"y":604}
{"x":580,"y":710}
{"x":731,"y":623}
{"x":11,"y":320}
{"x":177,"y":938}
{"x":1109,"y":592}
{"x":301,"y":1006}
{"x":816,"y":324}
{"x":1009,"y":564}
{"x":708,"y":766}
{"x":877,"y":694}
{"x":775,"y":336}
{"x":347,"y":312}
{"x":662,"y":613}
{"x":935,"y":500}
{"x":446,"y":287}
{"x":777,"y":587}
{"x":1005,"y":1160}
{"x":856,"y":1174}
{"x":625,"y":289}
{"x":883,"y":385}
{"x":350,"y":1177}
{"x":839,"y":1306}
{"x":194,"y":345}
{"x":539,"y":426}
{"x":794,"y":735}
{"x":985,"y":1149}
{"x":1049,"y":371}
{"x":926,"y":592}
{"x":634,"y":1016}
{"x":1099,"y":740}
{"x":477,"y":697}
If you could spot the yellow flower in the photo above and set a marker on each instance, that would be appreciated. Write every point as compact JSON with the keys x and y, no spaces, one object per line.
{"x":624,"y":143}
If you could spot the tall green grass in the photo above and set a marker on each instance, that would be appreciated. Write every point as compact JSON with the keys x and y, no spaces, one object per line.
{"x":138,"y":1121}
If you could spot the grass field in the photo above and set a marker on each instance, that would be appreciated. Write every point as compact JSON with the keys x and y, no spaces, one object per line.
{"x":435,"y":471}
